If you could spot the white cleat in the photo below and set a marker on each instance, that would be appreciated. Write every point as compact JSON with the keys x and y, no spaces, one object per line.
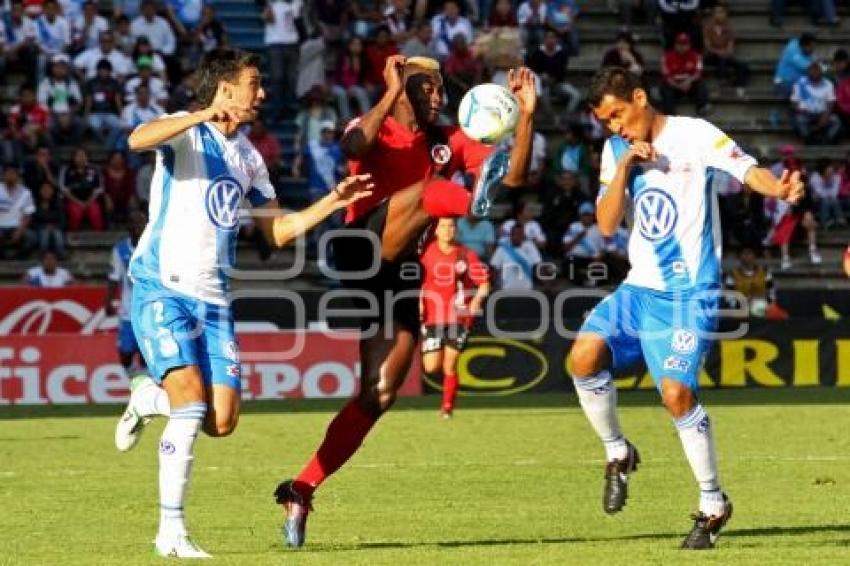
{"x":180,"y":546}
{"x":131,"y":424}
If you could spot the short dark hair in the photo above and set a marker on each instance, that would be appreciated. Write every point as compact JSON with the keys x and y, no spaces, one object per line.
{"x":615,"y":81}
{"x":222,"y":64}
{"x":807,"y":37}
{"x":841,"y":55}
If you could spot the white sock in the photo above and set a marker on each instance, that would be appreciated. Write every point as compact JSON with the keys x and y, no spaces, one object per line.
{"x":175,"y":465}
{"x":698,"y":442}
{"x":598,"y":397}
{"x":150,"y":399}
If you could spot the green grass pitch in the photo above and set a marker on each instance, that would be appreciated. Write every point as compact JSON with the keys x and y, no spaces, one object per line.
{"x":508,"y":481}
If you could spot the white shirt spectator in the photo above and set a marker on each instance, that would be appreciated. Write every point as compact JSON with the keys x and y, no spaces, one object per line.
{"x":813,"y":97}
{"x":57,"y":95}
{"x":674,"y":6}
{"x":515,"y":265}
{"x":444,"y":31}
{"x":825,"y":188}
{"x":525,"y":14}
{"x":133,"y":114}
{"x":156,"y":85}
{"x":98,"y":26}
{"x":87,"y":62}
{"x":59,"y":278}
{"x":538,"y":151}
{"x":282,"y":29}
{"x":72,"y":9}
{"x":18,"y":34}
{"x":533,"y":232}
{"x":53,"y":37}
{"x":188,"y":12}
{"x":14,"y":205}
{"x":592,"y":244}
{"x":158,"y":31}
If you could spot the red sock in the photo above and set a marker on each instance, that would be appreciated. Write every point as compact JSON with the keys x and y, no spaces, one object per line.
{"x":442,"y":198}
{"x":342,"y":439}
{"x":449,"y":392}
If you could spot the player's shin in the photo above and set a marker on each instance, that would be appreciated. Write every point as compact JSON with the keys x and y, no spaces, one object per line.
{"x":598,"y":398}
{"x":450,"y":384}
{"x":176,"y":453}
{"x":695,"y":431}
{"x":149,"y":399}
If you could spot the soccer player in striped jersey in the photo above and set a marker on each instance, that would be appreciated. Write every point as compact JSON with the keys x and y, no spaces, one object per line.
{"x":181,"y":316}
{"x":660,"y":169}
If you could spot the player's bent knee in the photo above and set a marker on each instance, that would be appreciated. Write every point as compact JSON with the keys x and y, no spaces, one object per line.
{"x":677,"y":397}
{"x":219,"y":426}
{"x":585,"y":359}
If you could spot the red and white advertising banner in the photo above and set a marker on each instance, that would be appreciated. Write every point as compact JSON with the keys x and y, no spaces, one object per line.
{"x":75,"y":369}
{"x":33,"y":310}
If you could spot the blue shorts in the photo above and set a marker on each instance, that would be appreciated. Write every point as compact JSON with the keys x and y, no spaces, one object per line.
{"x":175,"y":330}
{"x":126,"y":339}
{"x":672,"y":335}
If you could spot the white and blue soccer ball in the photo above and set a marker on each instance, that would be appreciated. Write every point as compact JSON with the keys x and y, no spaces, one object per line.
{"x":488,"y":113}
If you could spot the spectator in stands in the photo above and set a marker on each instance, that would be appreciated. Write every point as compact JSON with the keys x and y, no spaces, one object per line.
{"x":627,"y":8}
{"x":583,"y":245}
{"x":524,"y":215}
{"x":677,"y":17}
{"x":54,"y":32}
{"x":398,"y":19}
{"x":844,"y":186}
{"x":282,"y":18}
{"x":753,"y":281}
{"x":841,"y":76}
{"x":158,"y":31}
{"x":624,"y":54}
{"x":422,"y":42}
{"x":20,"y":49}
{"x":41,"y":169}
{"x":377,"y":53}
{"x":60,"y":93}
{"x":208,"y":35}
{"x":560,"y":208}
{"x":681,"y":69}
{"x":141,"y":110}
{"x":813,"y":100}
{"x":48,"y":220}
{"x":448,"y":24}
{"x":144,"y":177}
{"x":325,"y":166}
{"x":719,"y":50}
{"x":309,"y":122}
{"x":349,"y":80}
{"x":561,"y":16}
{"x":531,"y":17}
{"x":572,"y":155}
{"x":28,"y":121}
{"x":794,"y":63}
{"x":617,"y":255}
{"x":48,"y":273}
{"x":332,"y":18}
{"x":125,"y":8}
{"x":364,"y":16}
{"x":821,"y":12}
{"x":549,"y":61}
{"x":462,"y":70}
{"x":87,"y":27}
{"x":515,"y":261}
{"x":119,"y":186}
{"x":825,"y":182}
{"x":82,"y":187}
{"x":143,"y":50}
{"x":784,"y":220}
{"x":184,"y":15}
{"x":87,"y":62}
{"x":124,"y":41}
{"x":266,"y":143}
{"x":477,"y":234}
{"x":16,"y":210}
{"x":145,"y":77}
{"x":312,"y":55}
{"x":102,"y":105}
{"x":503,"y":15}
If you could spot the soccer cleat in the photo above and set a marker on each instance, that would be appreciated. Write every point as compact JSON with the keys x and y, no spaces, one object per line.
{"x":131,"y":424}
{"x":484,"y":193}
{"x":180,"y":546}
{"x":616,"y":480}
{"x":446,"y":414}
{"x":297,"y":508}
{"x":706,"y":529}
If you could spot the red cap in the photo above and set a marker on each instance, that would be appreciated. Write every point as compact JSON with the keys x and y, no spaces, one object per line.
{"x":787,"y":149}
{"x":682,"y":37}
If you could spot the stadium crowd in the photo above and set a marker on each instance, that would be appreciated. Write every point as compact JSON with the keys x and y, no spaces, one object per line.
{"x":93,"y":75}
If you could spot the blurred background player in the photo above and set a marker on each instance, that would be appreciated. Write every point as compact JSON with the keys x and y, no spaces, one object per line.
{"x":181,"y":314}
{"x":666,"y":310}
{"x":448,"y":306}
{"x":119,"y":276}
{"x":409,"y":157}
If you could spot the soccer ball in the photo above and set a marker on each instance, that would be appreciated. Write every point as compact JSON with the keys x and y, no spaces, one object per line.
{"x":488,"y":113}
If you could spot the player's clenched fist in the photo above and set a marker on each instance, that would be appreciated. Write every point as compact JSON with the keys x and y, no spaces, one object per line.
{"x":393,"y":69}
{"x":352,"y":189}
{"x":791,"y":186}
{"x":641,"y":151}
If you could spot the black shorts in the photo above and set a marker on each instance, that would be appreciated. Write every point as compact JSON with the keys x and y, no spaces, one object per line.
{"x":436,"y":336}
{"x":395,"y":286}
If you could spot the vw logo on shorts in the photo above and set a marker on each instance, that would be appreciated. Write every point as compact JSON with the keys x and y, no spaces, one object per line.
{"x":655,"y":214}
{"x":223,"y":198}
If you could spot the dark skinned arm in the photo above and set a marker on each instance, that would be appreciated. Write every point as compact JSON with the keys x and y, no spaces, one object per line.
{"x":521,"y":83}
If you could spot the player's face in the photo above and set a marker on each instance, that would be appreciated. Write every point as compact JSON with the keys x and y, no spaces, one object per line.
{"x":247,"y":91}
{"x":446,"y":230}
{"x":424,"y":90}
{"x":630,"y":119}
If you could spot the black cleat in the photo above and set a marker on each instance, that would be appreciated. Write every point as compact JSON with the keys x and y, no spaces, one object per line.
{"x":616,"y":476}
{"x":707,"y":529}
{"x":297,"y":508}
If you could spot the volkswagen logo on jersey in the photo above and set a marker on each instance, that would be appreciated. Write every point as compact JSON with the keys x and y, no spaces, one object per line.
{"x":655,"y":214}
{"x":223,"y":198}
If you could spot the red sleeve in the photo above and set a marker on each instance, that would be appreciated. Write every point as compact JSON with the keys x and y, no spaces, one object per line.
{"x":666,"y":64}
{"x":467,"y":154}
{"x":478,"y":272}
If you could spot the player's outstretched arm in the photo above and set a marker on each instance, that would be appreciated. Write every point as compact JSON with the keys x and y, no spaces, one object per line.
{"x":521,"y":83}
{"x":151,"y":135}
{"x":359,"y":139}
{"x":281,"y":229}
{"x":788,"y":187}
